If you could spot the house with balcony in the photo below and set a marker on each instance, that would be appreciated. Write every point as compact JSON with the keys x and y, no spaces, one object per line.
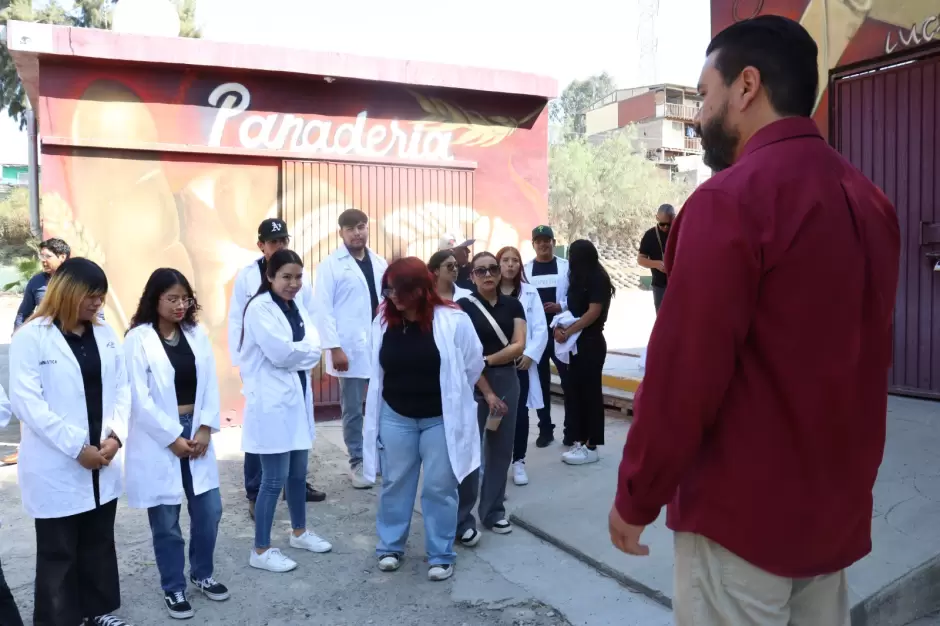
{"x":663,"y":116}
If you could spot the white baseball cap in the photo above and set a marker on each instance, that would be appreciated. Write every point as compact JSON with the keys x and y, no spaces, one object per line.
{"x":449,"y":241}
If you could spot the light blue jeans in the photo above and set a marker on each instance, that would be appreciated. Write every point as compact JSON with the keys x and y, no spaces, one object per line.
{"x":405,"y":444}
{"x":279,"y":471}
{"x":352,"y":394}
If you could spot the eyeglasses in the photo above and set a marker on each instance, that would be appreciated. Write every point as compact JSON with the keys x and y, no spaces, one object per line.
{"x":176,"y":301}
{"x":387,"y":292}
{"x":450,"y":267}
{"x":665,"y":224}
{"x":46,"y":256}
{"x":481,"y":272}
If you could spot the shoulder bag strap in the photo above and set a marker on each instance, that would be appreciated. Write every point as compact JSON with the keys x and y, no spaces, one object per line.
{"x":489,"y":318}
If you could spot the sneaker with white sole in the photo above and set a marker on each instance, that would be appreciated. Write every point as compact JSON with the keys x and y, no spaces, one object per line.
{"x":470,"y":538}
{"x":272,"y":560}
{"x":580,"y":455}
{"x":310,"y":541}
{"x":358,"y":480}
{"x":108,"y":620}
{"x":519,"y":477}
{"x":211,"y":588}
{"x":502,"y":527}
{"x":389,"y":562}
{"x":440,"y":572}
{"x":177,"y":605}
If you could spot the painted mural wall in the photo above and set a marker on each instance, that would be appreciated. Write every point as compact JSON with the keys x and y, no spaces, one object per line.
{"x":153,"y":168}
{"x":846,"y":31}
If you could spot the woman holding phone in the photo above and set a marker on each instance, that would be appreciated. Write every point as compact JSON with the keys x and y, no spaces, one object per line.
{"x":499,"y":321}
{"x":175,"y":412}
{"x":278,"y":348}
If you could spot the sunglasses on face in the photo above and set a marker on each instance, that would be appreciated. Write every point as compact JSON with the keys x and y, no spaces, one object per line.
{"x":450,"y":267}
{"x":665,"y":224}
{"x":481,"y":272}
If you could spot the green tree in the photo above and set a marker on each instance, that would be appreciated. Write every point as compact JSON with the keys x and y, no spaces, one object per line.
{"x":84,"y":14}
{"x":568,"y":109}
{"x":607,"y":192}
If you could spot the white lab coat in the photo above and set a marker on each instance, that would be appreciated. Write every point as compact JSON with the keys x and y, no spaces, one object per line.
{"x":559,"y":281}
{"x":278,"y":417}
{"x":460,"y":292}
{"x":563,"y":351}
{"x":6,"y":413}
{"x":153,"y":472}
{"x":461,"y":366}
{"x":536,"y":340}
{"x":343,"y":309}
{"x":48,"y":396}
{"x":247,"y":282}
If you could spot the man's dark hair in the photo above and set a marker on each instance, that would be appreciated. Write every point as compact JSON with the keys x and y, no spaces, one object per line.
{"x":784,"y":54}
{"x":57,"y":247}
{"x":351,"y":218}
{"x":666,"y":209}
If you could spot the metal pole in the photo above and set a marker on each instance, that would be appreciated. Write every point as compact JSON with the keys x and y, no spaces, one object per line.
{"x":34,"y":223}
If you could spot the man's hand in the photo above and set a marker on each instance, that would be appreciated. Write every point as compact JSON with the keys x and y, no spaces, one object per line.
{"x":109,"y":448}
{"x":340,"y":360}
{"x":661,"y":266}
{"x":182,"y":448}
{"x":91,"y":458}
{"x":200,"y":442}
{"x":624,"y":536}
{"x":551,"y":307}
{"x":561,"y":334}
{"x":524,"y":363}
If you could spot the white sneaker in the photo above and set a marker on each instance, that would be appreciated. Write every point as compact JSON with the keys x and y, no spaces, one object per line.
{"x":440,"y":572}
{"x":271,"y":560}
{"x":470,"y":538}
{"x":519,"y":477}
{"x":389,"y":562}
{"x":310,"y":541}
{"x":358,"y":480}
{"x":580,"y":455}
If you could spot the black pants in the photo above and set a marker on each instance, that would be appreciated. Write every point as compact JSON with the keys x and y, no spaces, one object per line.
{"x":658,"y":294}
{"x":9,"y":614}
{"x":521,"y":443}
{"x":545,"y":379}
{"x":76,"y":567}
{"x":584,"y":396}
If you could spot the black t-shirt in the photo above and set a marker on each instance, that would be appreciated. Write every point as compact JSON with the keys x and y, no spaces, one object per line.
{"x":506,"y":311}
{"x":184,"y":367}
{"x":366,"y":266}
{"x":653,"y":245}
{"x":545,"y":278}
{"x":595,"y":291}
{"x":411,"y":364}
{"x":463,"y":277}
{"x":292,"y":313}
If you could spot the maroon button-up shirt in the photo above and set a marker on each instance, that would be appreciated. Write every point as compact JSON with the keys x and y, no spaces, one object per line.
{"x":761,"y":417}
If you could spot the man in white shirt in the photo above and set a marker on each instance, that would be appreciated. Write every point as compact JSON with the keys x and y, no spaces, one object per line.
{"x":349,"y":283}
{"x":272,"y":236}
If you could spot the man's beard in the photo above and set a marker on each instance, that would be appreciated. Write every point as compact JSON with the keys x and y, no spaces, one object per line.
{"x":718,"y":142}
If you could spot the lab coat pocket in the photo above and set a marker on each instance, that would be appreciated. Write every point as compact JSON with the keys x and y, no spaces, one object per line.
{"x":275,"y":392}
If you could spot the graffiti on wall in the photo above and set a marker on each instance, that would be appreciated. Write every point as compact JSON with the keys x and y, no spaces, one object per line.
{"x":846,"y":31}
{"x":133,"y":210}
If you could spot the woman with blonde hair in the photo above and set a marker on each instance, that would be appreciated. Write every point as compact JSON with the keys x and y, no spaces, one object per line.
{"x":68,"y":386}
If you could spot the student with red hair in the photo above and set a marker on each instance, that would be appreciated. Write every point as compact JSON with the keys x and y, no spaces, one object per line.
{"x":420,"y":410}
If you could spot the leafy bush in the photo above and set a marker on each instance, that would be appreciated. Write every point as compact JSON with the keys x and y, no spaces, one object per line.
{"x":26,"y":268}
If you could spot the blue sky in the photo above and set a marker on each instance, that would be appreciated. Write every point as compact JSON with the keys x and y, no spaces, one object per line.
{"x":526,"y":35}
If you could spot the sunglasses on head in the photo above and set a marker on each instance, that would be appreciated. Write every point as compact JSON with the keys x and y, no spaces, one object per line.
{"x":481,"y":272}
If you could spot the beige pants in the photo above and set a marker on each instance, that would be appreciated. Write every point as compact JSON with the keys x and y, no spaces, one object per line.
{"x":714,"y":587}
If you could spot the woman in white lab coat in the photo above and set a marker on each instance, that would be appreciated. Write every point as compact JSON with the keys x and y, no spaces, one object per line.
{"x":513,"y":283}
{"x":9,"y":614}
{"x":443,"y":265}
{"x":278,"y":348}
{"x":68,"y":386}
{"x":420,"y":411}
{"x":174,"y":412}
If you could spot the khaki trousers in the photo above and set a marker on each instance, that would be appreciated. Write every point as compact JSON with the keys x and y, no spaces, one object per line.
{"x":714,"y":587}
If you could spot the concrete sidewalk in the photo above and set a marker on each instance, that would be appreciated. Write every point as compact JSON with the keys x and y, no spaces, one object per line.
{"x":895,"y":584}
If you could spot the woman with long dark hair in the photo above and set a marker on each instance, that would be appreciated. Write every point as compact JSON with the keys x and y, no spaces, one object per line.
{"x":513,"y":283}
{"x":175,"y":411}
{"x":499,"y":322}
{"x":68,"y":386}
{"x":590,"y":291}
{"x":278,"y":348}
{"x":420,"y":412}
{"x":443,"y":266}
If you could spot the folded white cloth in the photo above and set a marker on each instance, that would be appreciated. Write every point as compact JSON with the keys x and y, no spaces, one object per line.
{"x":570,"y":346}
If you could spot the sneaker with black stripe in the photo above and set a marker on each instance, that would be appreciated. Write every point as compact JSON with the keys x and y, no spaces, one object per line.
{"x":176,"y":605}
{"x":211,"y":588}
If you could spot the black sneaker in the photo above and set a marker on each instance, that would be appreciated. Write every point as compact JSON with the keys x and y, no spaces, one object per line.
{"x":176,"y":604}
{"x":312,"y":495}
{"x":544,"y":441}
{"x":211,"y":588}
{"x":109,"y":620}
{"x":470,"y":538}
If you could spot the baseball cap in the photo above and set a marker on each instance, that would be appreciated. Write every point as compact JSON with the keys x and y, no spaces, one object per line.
{"x":542,"y":231}
{"x":449,"y":241}
{"x":272,"y":228}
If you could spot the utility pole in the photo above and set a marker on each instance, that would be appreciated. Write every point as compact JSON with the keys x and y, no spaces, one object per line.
{"x":649,"y":42}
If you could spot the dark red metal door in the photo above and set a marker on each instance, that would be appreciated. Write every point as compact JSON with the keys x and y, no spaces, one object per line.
{"x":409,"y":209}
{"x":887,"y":122}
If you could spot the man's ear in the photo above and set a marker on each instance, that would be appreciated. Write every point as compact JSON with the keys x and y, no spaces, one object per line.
{"x":261,"y":246}
{"x":747,"y":86}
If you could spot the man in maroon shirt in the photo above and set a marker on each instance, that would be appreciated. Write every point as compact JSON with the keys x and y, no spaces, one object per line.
{"x":782,"y":277}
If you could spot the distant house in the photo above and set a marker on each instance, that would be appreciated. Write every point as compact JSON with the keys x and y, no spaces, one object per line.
{"x":13,"y":175}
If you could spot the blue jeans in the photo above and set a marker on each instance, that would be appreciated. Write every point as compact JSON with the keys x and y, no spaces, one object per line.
{"x":252,"y":468}
{"x":279,"y":471}
{"x":405,"y":443}
{"x":205,"y":512}
{"x":352,"y":394}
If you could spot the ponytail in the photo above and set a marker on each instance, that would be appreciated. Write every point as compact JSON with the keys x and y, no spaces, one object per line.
{"x":278,"y":260}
